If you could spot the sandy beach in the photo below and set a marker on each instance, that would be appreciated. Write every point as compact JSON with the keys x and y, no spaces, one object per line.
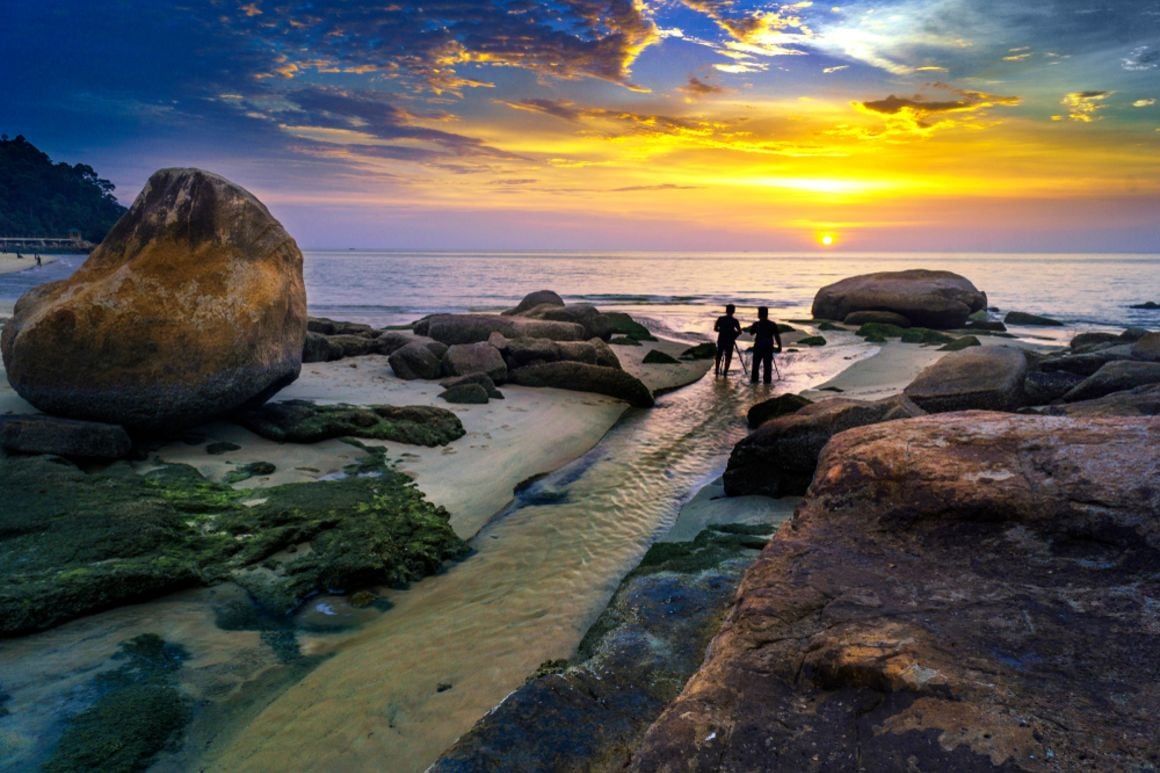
{"x":10,"y":263}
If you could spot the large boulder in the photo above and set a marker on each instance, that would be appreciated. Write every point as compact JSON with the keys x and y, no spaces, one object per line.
{"x":473,"y":328}
{"x":1034,"y":320}
{"x":989,"y":377}
{"x":781,"y":405}
{"x":1085,"y":363}
{"x":967,"y":592}
{"x":482,"y":357}
{"x":1115,"y":377}
{"x":1042,"y":387}
{"x":192,"y":306}
{"x":582,"y":377}
{"x":779,"y":458}
{"x":415,"y":360}
{"x":534,"y":299}
{"x":34,"y":434}
{"x":520,"y":352}
{"x":939,"y":299}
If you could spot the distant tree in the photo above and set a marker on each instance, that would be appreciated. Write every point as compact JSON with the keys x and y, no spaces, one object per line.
{"x":40,"y":198}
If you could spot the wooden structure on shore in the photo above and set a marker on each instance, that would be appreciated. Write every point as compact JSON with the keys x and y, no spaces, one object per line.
{"x":45,"y":243}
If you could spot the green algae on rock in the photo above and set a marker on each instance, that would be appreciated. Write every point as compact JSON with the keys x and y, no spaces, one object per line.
{"x":137,"y":713}
{"x":73,"y":543}
{"x":301,"y":421}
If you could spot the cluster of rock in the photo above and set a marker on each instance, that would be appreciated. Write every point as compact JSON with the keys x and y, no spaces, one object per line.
{"x":1102,"y":374}
{"x":540,"y":342}
{"x":971,"y":571}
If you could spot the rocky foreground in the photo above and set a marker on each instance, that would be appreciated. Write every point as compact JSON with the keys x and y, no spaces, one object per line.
{"x":958,"y":592}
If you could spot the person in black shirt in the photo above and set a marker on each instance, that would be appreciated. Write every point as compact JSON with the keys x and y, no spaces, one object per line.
{"x":765,"y":336}
{"x":728,"y":328}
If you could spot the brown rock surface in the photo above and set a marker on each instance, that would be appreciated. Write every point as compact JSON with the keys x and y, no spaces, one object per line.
{"x":192,"y":306}
{"x":939,"y":299}
{"x":778,"y":459}
{"x":958,"y":592}
{"x":989,"y":378}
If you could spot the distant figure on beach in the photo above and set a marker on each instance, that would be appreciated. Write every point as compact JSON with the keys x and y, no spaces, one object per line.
{"x":19,"y":256}
{"x":765,"y":337}
{"x":38,"y":259}
{"x":728,"y":328}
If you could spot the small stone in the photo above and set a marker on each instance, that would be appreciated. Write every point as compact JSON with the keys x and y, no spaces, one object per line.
{"x":222,"y":447}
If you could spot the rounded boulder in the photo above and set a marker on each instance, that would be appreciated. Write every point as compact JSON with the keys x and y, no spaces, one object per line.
{"x":192,"y":306}
{"x":939,"y":299}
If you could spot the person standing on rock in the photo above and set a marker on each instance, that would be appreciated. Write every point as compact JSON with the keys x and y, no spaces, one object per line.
{"x":765,"y":338}
{"x":728,"y":328}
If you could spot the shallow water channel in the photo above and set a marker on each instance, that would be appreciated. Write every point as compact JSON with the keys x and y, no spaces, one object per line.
{"x":397,"y":690}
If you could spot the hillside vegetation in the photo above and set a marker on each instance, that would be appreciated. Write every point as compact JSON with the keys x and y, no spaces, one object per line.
{"x":42,"y":198}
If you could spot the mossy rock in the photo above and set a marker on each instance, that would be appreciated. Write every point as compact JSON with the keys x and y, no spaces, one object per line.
{"x":875,"y":339}
{"x":784,"y":328}
{"x":705,"y":351}
{"x":222,"y":447}
{"x":812,"y":341}
{"x":251,"y":470}
{"x":620,"y":323}
{"x":139,"y":712}
{"x":881,"y":330}
{"x":826,"y":327}
{"x":960,"y":343}
{"x":873,"y":331}
{"x":301,"y":421}
{"x":922,"y":335}
{"x":623,"y":341}
{"x":1023,"y":318}
{"x":657,"y":357}
{"x":73,"y":543}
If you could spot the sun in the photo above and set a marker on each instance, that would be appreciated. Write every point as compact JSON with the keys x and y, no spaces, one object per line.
{"x":827,"y":240}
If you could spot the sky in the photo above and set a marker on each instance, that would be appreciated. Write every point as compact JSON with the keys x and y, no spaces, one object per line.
{"x":901,"y":125}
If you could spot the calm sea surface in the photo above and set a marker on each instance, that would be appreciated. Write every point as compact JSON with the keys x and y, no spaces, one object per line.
{"x":682,"y":292}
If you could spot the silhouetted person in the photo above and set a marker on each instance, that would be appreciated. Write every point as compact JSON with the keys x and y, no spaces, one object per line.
{"x":728,"y":328}
{"x":765,"y":337}
{"x":38,"y":260}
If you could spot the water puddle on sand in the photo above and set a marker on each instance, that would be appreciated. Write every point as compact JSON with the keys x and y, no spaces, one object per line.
{"x":393,"y":694}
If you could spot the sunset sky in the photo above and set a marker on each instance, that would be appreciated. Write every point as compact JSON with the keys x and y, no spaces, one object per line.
{"x":1021,"y":125}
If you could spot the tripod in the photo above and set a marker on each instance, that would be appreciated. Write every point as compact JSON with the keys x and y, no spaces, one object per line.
{"x":745,"y":364}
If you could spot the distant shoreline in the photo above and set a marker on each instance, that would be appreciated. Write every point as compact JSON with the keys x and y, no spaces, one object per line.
{"x":9,"y":263}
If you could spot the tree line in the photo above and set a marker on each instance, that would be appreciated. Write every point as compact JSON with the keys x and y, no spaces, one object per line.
{"x":40,"y":198}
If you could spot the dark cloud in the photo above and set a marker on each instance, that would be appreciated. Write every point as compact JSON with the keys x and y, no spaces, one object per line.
{"x":968,"y":100}
{"x":436,"y":43}
{"x":1141,"y":58}
{"x":699,"y":88}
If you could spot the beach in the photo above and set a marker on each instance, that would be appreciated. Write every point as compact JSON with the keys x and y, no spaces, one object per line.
{"x":558,"y":494}
{"x":10,"y":263}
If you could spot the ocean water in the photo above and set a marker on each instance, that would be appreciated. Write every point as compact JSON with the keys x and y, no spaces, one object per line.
{"x":682,"y":293}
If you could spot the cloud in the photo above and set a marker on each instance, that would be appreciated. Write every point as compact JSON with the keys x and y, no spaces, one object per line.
{"x":1141,"y":58}
{"x":1144,"y":102}
{"x":754,"y":34}
{"x":439,"y":45}
{"x":1083,"y":106}
{"x":696,"y":88}
{"x":919,"y":114}
{"x":838,"y":68}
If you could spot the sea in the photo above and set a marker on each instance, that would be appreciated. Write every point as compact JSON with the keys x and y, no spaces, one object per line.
{"x":680,"y":293}
{"x":395,"y":690}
